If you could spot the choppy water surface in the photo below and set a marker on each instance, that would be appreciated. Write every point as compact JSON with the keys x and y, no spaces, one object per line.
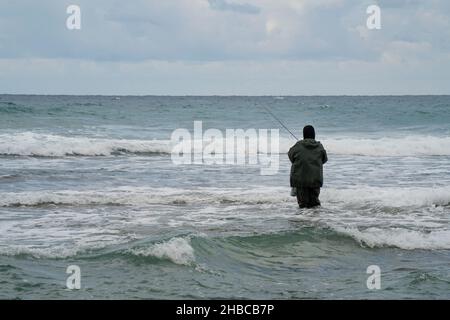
{"x":89,"y":181}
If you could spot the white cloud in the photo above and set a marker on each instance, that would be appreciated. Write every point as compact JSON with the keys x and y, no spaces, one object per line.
{"x":223,"y":46}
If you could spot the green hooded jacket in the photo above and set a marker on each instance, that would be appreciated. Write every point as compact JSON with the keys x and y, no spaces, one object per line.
{"x":307,"y":157}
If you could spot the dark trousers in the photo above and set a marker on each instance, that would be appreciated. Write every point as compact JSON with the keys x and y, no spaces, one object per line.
{"x":308,"y":197}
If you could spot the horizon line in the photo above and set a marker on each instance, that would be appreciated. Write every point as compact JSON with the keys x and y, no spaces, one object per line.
{"x":224,"y":95}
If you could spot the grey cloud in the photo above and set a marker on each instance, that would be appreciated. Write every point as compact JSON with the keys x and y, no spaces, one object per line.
{"x":192,"y":47}
{"x":184,"y":30}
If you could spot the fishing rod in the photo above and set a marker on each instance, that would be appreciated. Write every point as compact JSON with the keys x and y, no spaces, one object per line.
{"x":279,"y":121}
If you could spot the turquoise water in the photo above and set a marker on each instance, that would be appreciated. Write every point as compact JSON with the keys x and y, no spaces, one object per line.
{"x":89,"y":181}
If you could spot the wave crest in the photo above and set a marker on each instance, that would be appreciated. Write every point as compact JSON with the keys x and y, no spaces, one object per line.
{"x":399,"y":237}
{"x":45,"y":145}
{"x":396,"y":197}
{"x":177,"y":250}
{"x":48,"y":145}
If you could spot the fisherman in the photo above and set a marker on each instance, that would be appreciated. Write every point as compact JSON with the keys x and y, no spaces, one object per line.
{"x":307,"y":157}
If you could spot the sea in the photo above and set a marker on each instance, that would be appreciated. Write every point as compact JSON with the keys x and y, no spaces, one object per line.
{"x":93,"y":205}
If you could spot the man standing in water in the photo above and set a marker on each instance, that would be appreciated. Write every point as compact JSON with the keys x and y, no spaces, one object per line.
{"x":307,"y":157}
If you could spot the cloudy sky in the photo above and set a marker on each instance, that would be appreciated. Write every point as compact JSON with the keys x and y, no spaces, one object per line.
{"x":237,"y":47}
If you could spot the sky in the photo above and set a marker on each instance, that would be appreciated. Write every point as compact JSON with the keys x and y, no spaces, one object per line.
{"x":225,"y":47}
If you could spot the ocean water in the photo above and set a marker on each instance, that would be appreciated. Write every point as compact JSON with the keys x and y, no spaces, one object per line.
{"x":89,"y":181}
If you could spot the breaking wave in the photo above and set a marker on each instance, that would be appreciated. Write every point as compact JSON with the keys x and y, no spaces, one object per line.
{"x":45,"y":145}
{"x":399,"y":237}
{"x":406,"y":146}
{"x":48,"y":145}
{"x":176,"y":250}
{"x":355,"y":196}
{"x":181,"y":250}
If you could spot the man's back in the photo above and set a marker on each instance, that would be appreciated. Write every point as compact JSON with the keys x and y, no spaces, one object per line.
{"x":307,"y":157}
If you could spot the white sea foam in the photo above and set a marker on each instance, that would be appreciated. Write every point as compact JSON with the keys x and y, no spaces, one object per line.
{"x":34,"y":144}
{"x":46,"y":145}
{"x":39,"y":252}
{"x":138,"y":196}
{"x":177,"y":250}
{"x":63,"y":250}
{"x":405,"y":146}
{"x":383,"y":147}
{"x":395,"y":216}
{"x":388,"y":196}
{"x":355,"y":196}
{"x":399,"y":237}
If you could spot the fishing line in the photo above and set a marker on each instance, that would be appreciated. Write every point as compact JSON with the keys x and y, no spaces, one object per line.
{"x":279,"y":121}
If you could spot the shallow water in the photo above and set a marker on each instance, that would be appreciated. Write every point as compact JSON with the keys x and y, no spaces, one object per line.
{"x":89,"y":181}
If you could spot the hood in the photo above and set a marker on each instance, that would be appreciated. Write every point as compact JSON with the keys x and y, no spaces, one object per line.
{"x":310,"y":143}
